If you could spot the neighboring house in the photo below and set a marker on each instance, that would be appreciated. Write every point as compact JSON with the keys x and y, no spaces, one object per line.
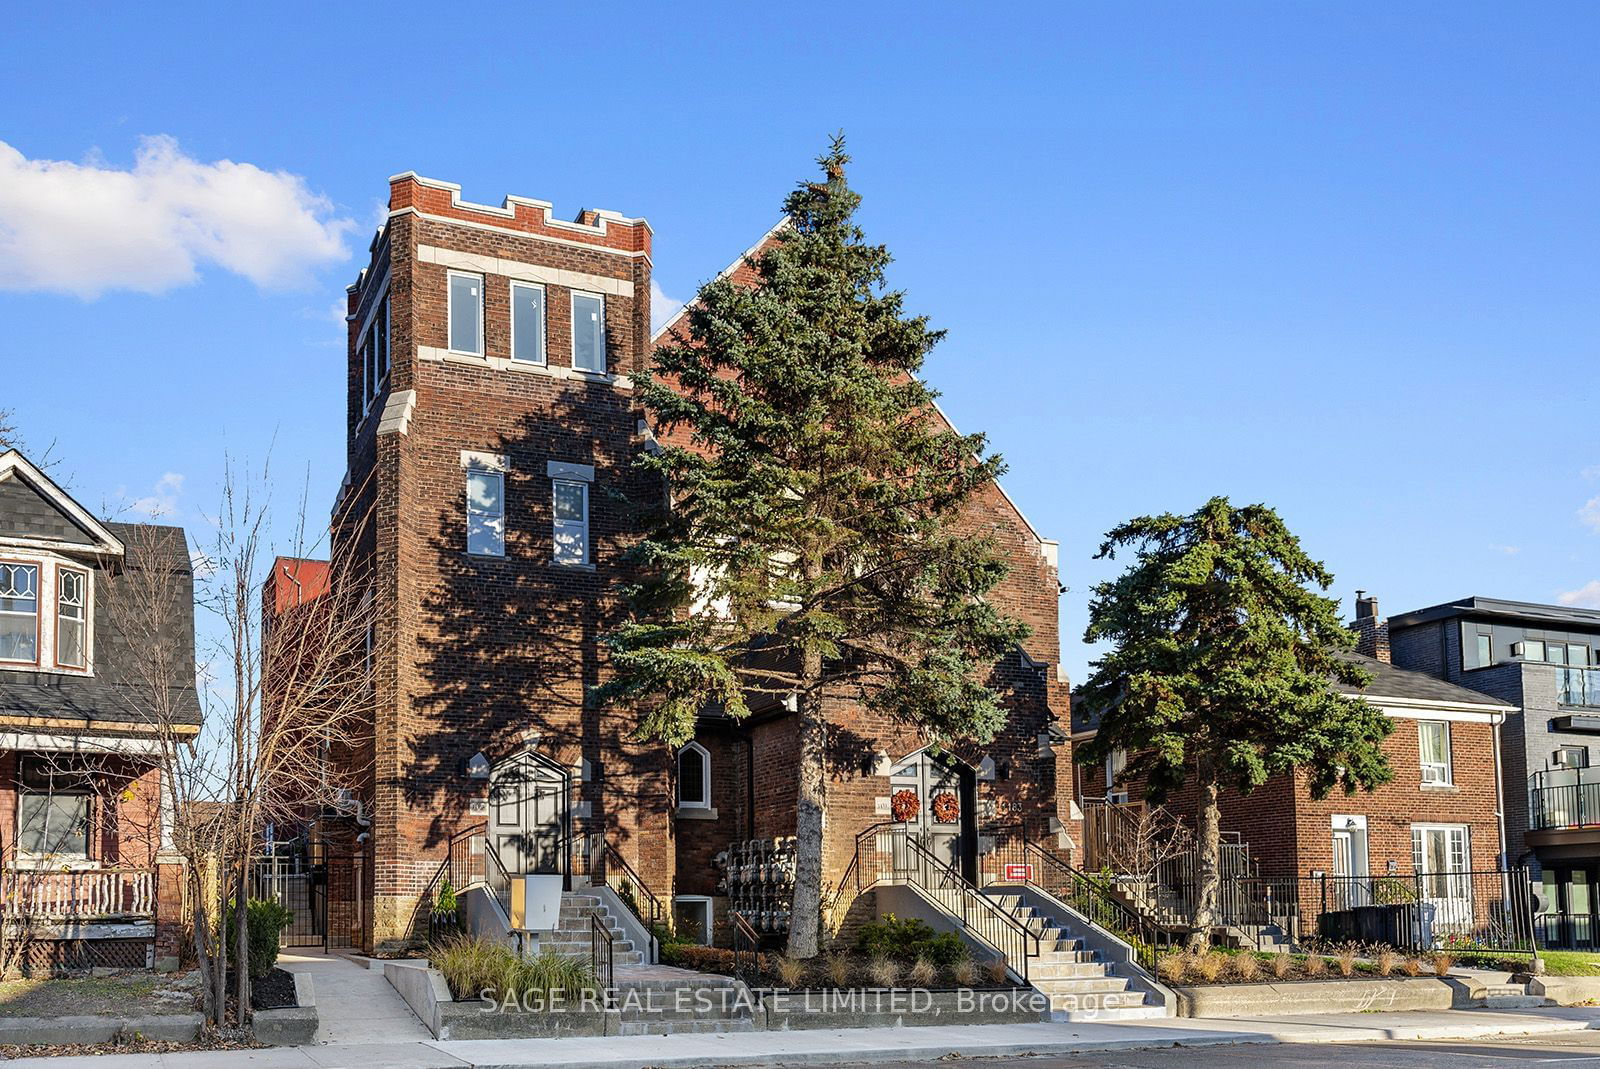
{"x":1541,"y":659}
{"x":491,"y":430}
{"x":1438,"y":816}
{"x":82,"y":822}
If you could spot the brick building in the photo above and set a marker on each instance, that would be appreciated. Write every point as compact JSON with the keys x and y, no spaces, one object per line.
{"x":1439,"y":814}
{"x":86,"y":869}
{"x":491,"y":430}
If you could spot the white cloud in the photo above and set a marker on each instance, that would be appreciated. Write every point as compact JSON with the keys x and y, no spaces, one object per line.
{"x":1586,"y":596}
{"x":662,"y":307}
{"x":84,"y":228}
{"x":1589,"y":515}
{"x":162,"y":499}
{"x":1510,"y":551}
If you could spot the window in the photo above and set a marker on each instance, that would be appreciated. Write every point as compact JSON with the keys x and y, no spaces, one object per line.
{"x":486,"y":511}
{"x":1529,"y":650}
{"x":52,"y":809}
{"x":19,"y":612}
{"x":1434,"y":743}
{"x":1485,"y":650}
{"x":466,"y":314}
{"x":691,"y":918}
{"x":1116,"y":765}
{"x":570,"y":509}
{"x":1571,"y":757}
{"x":72,"y":619}
{"x":527,"y":323}
{"x":588,"y":332}
{"x":694,"y":777}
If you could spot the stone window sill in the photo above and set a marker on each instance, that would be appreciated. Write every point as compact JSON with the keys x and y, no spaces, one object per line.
{"x":694,"y":812}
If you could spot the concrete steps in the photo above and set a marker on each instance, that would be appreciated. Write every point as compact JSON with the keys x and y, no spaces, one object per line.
{"x":677,"y":1005}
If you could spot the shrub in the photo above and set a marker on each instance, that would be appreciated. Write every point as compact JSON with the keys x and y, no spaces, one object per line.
{"x":944,"y":949}
{"x":1386,"y":961}
{"x":265,"y":920}
{"x":1412,"y":966}
{"x":996,"y":972}
{"x":1208,"y":965}
{"x":1171,"y":967}
{"x":1281,"y":964}
{"x":472,"y":966}
{"x":884,"y":971}
{"x":1246,"y":968}
{"x":1345,"y":959}
{"x":791,"y":971}
{"x":709,"y":959}
{"x":923,"y":972}
{"x":837,"y":969}
{"x":964,"y":972}
{"x":1316,"y":966}
{"x":445,"y":900}
{"x":1442,"y":964}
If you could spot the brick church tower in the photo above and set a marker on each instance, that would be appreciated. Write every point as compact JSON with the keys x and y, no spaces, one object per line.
{"x":490,"y":428}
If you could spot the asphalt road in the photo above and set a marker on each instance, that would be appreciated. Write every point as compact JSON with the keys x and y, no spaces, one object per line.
{"x":1570,"y":1048}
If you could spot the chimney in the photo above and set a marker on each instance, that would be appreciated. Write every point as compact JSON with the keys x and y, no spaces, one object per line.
{"x":1372,"y":632}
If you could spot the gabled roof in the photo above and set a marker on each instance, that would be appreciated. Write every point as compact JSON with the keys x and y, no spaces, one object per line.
{"x":33,"y":509}
{"x":1404,"y":685}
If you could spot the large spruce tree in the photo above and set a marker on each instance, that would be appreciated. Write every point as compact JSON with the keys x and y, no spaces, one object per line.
{"x":1223,"y":666}
{"x":810,"y":554}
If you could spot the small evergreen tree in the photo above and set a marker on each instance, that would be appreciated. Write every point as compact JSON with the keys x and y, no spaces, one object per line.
{"x":810,"y":555}
{"x":1223,"y":665}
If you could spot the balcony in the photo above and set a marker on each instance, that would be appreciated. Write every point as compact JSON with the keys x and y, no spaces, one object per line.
{"x":1564,"y":799}
{"x":1578,"y":686}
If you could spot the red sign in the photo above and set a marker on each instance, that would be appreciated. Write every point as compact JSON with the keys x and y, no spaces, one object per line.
{"x":1019,"y":872}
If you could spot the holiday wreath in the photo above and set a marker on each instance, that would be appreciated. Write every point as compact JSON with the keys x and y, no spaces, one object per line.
{"x":903,"y":805}
{"x":946,"y":807}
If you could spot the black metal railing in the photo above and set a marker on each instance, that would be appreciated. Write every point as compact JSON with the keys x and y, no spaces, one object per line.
{"x":602,"y":953}
{"x":746,"y":949}
{"x":892,"y":853}
{"x":1018,"y":859}
{"x":1564,"y":798}
{"x":645,"y":904}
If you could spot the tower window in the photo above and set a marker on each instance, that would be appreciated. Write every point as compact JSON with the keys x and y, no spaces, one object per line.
{"x":589,"y":332}
{"x":466,"y":314}
{"x":527,"y":323}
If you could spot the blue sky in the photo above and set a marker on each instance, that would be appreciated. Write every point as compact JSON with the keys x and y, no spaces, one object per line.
{"x":1341,"y":258}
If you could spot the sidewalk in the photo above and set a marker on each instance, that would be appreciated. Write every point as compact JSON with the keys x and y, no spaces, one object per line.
{"x":355,"y":1004}
{"x":854,"y":1045}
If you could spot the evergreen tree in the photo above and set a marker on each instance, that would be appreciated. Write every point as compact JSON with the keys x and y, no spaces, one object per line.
{"x":1223,"y":665}
{"x":809,"y":555}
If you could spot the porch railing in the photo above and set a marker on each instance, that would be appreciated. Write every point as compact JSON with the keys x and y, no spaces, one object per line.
{"x":78,"y":895}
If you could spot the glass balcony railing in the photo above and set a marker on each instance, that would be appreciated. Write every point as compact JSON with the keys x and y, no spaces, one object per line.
{"x":1578,"y":686}
{"x":1564,"y":798}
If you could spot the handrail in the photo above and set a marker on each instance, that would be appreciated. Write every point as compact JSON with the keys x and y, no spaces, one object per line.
{"x":1089,"y":895}
{"x":655,"y":908}
{"x":600,"y":939}
{"x":980,"y":916}
{"x":744,"y":932}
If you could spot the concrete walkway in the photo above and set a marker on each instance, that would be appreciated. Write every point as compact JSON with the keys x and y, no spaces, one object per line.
{"x":853,"y":1045}
{"x":355,"y":1004}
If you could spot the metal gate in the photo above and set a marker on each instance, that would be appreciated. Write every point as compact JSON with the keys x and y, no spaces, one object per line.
{"x":323,"y":889}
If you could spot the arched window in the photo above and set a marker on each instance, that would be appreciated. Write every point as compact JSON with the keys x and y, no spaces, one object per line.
{"x":694,"y":777}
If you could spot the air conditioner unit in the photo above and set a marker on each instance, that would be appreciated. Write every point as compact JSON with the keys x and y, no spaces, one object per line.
{"x":1519,"y":650}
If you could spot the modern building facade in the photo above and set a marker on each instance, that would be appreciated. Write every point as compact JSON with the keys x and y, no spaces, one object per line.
{"x":491,"y":494}
{"x":1542,"y":661}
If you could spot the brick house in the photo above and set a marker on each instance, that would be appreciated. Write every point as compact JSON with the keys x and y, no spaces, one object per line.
{"x":1440,"y":813}
{"x":491,"y":427}
{"x":88,"y":877}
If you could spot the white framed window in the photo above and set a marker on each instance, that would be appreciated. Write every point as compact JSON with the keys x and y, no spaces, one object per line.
{"x":694,"y":777}
{"x":1116,"y":765}
{"x":72,"y":618}
{"x":486,"y":510}
{"x":465,"y":314}
{"x":53,"y":810}
{"x":691,"y":918}
{"x":1433,"y":741}
{"x":19,"y":612}
{"x":588,"y":332}
{"x":570,"y":521}
{"x":527,"y":323}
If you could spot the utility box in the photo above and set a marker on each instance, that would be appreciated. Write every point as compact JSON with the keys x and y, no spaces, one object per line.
{"x":535,"y":903}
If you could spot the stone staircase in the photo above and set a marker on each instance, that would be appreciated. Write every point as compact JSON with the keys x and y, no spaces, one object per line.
{"x":572,"y":937}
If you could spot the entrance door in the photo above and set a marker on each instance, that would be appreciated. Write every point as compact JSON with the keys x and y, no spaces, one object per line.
{"x":1567,"y":919}
{"x":528,"y":814}
{"x":945,"y":821}
{"x":1350,"y":886}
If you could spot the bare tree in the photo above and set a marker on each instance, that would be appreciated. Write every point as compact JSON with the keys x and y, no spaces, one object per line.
{"x":287,"y":711}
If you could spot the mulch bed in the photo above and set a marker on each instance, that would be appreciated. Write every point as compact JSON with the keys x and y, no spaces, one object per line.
{"x":274,"y":991}
{"x":231,"y":1040}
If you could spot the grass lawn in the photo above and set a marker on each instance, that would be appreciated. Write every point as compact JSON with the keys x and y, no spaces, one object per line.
{"x":1570,"y":963}
{"x":130,"y":995}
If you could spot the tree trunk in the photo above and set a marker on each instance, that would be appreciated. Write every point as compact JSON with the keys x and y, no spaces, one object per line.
{"x":241,"y":946}
{"x":201,"y":921}
{"x":1210,"y":846}
{"x":805,"y":910}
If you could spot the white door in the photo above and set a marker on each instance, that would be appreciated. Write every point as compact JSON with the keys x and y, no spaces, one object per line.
{"x":1439,"y":854}
{"x":1349,"y":886}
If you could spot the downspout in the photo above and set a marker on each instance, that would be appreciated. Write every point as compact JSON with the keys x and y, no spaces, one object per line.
{"x":1499,"y":787}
